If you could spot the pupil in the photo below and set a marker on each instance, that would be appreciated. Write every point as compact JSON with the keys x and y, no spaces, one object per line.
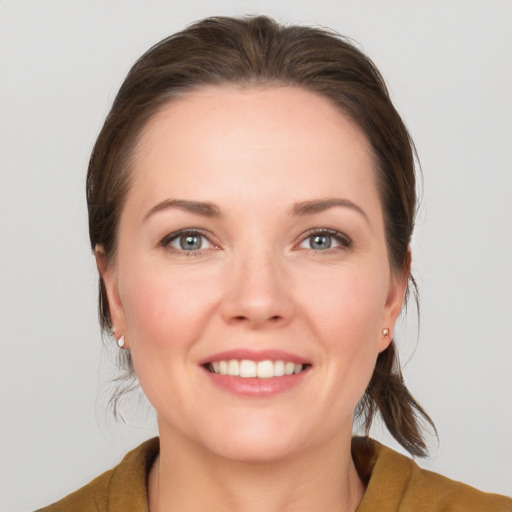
{"x":190,"y":242}
{"x":321,"y":242}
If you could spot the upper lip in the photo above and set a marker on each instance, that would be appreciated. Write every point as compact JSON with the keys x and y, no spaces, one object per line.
{"x":254,"y":355}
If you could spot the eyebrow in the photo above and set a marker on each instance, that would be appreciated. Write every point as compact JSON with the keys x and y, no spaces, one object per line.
{"x":207,"y":209}
{"x":199,"y":208}
{"x":321,"y":205}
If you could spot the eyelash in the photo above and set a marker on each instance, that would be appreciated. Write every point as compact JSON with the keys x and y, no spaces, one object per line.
{"x":176,"y":235}
{"x":343,"y":240}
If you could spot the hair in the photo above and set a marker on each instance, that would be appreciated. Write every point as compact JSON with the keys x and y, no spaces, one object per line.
{"x":257,"y":51}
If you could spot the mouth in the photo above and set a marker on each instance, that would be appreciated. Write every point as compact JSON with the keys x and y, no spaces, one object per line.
{"x":249,"y":369}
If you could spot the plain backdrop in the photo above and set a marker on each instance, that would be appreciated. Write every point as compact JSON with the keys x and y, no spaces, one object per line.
{"x":449,"y":68}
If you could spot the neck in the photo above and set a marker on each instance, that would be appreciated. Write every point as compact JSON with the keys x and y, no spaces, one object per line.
{"x":186,"y":478}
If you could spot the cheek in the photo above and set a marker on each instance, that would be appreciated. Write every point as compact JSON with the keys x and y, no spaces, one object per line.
{"x":347,"y":302}
{"x":347,"y":313}
{"x":162,"y":305}
{"x":166,"y":314}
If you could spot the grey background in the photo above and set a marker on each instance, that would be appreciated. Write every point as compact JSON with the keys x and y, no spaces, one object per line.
{"x":448,"y":65}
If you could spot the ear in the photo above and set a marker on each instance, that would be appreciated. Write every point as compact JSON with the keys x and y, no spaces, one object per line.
{"x":108,"y":275}
{"x":394,"y":301}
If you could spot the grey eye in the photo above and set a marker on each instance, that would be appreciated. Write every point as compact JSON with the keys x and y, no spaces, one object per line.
{"x":320,"y":242}
{"x":325,"y":239}
{"x":187,"y":241}
{"x":190,"y":242}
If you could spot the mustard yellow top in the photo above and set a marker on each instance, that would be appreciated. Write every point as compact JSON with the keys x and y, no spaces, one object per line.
{"x":395,"y":483}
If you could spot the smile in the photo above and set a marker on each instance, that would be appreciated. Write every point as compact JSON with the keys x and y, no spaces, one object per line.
{"x":246,"y":368}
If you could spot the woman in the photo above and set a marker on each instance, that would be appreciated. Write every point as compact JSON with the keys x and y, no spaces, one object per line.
{"x":251,"y":203}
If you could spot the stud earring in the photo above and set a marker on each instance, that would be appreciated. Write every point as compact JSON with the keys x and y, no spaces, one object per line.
{"x":385,"y":332}
{"x":120,"y":342}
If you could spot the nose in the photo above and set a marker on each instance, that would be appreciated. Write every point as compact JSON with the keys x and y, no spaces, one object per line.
{"x":258,"y":292}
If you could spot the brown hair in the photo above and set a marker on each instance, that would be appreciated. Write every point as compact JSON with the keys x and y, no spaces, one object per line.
{"x":258,"y":51}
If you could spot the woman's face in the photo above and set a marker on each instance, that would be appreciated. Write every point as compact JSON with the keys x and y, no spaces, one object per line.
{"x":252,"y":242}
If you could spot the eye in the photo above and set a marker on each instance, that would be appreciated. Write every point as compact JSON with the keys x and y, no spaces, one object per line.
{"x":187,"y":240}
{"x":320,"y":242}
{"x":325,"y":239}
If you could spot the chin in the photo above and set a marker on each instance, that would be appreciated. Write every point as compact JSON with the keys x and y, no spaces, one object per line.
{"x":261,"y":440}
{"x":254,"y":452}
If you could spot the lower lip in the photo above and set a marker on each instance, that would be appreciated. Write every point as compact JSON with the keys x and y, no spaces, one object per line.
{"x":254,"y":387}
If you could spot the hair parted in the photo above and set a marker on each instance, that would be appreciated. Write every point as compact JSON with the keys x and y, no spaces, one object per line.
{"x":257,"y":51}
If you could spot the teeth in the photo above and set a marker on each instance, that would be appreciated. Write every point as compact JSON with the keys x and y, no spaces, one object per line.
{"x":265,"y":369}
{"x":233,"y":367}
{"x":289,"y":368}
{"x":249,"y":369}
{"x":278,"y":368}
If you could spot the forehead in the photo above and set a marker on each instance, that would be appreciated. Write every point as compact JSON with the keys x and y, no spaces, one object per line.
{"x":272,"y":136}
{"x":265,"y":108}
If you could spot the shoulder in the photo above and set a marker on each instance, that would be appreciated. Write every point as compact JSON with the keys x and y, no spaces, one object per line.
{"x":91,"y":497}
{"x":395,"y":483}
{"x":121,"y":488}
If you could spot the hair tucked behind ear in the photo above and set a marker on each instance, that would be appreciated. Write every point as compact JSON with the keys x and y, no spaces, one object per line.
{"x":257,"y":51}
{"x":387,"y":394}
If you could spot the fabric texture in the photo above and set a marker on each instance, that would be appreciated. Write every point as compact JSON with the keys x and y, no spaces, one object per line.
{"x":394,"y":482}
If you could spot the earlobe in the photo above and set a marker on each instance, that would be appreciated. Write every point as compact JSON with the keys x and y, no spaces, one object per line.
{"x":386,"y":339}
{"x":108,"y":276}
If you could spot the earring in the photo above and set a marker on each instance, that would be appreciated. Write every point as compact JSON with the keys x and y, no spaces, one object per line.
{"x":385,"y":332}
{"x":120,"y":342}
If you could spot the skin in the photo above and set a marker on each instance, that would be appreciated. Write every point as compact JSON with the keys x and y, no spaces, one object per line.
{"x":256,"y":283}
